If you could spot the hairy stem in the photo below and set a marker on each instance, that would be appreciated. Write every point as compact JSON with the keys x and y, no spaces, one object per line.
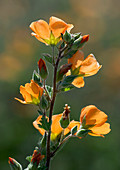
{"x":51,"y":109}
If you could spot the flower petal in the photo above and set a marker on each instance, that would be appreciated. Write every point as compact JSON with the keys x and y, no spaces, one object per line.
{"x":69,"y":27}
{"x":25,"y":94}
{"x":34,"y":89}
{"x":70,"y":126}
{"x":76,"y":59}
{"x":38,"y":37}
{"x":21,"y":101}
{"x":78,"y":82}
{"x":93,"y":116}
{"x":58,"y":26}
{"x":41,"y":29}
{"x":35,"y":124}
{"x":101,"y":130}
{"x":90,"y":66}
{"x":56,"y":128}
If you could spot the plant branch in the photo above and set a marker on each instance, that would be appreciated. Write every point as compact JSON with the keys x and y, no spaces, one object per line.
{"x":51,"y":109}
{"x":62,"y":142}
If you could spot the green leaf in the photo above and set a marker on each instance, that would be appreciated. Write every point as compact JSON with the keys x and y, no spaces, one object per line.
{"x":44,"y":123}
{"x":43,"y":102}
{"x":67,"y":88}
{"x":48,"y":57}
{"x":43,"y":140}
{"x":70,"y":54}
{"x":68,"y":80}
{"x":49,"y":90}
{"x":36,"y":76}
{"x":40,"y":112}
{"x":28,"y":158}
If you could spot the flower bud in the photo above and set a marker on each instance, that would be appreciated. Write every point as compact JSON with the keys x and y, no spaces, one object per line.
{"x":65,"y":119}
{"x":63,"y":70}
{"x":42,"y":68}
{"x":67,"y":37}
{"x":14,"y":165}
{"x":85,"y":38}
{"x":80,"y":42}
{"x":82,"y":132}
{"x":36,"y":158}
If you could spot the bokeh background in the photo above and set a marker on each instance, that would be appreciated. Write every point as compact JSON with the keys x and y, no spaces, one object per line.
{"x":19,"y":53}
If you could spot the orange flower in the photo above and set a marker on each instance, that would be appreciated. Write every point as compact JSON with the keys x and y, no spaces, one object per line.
{"x":56,"y":129}
{"x":93,"y":119}
{"x":49,"y":34}
{"x":31,"y":93}
{"x":85,"y":68}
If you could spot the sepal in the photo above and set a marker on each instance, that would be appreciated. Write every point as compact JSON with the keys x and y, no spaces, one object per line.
{"x":82,"y":132}
{"x":64,"y":122}
{"x":74,"y":130}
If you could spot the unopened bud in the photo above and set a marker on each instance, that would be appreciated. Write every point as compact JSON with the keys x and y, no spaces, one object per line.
{"x":65,"y":119}
{"x":80,"y":42}
{"x":67,"y":37}
{"x":42,"y":68}
{"x":63,"y":70}
{"x":85,"y":38}
{"x":14,"y":165}
{"x":36,"y":158}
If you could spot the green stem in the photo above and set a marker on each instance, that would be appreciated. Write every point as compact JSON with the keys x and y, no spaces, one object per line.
{"x":62,"y":142}
{"x":51,"y":110}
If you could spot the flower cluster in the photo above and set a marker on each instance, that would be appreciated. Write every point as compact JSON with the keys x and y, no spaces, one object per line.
{"x":58,"y":128}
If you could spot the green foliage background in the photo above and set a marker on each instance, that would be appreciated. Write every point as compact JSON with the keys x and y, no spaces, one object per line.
{"x":19,"y":53}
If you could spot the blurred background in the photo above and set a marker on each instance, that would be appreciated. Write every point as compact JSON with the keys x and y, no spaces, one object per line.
{"x":19,"y":53}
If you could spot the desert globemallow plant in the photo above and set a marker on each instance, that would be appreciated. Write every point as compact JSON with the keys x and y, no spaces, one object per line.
{"x":56,"y":129}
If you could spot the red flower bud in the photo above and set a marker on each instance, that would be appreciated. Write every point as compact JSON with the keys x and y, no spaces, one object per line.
{"x":37,"y":157}
{"x":85,"y":38}
{"x":41,"y":64}
{"x":11,"y":161}
{"x":42,"y":68}
{"x":14,"y":164}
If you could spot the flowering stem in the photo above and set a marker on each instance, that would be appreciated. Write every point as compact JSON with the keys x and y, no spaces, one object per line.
{"x":51,"y":109}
